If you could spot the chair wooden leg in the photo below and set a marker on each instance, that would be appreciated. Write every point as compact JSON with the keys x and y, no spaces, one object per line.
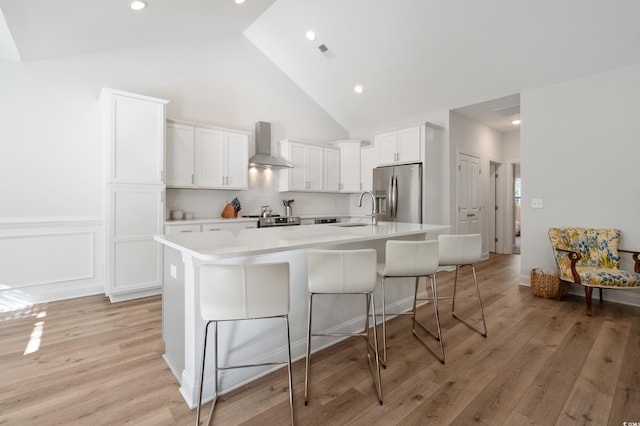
{"x":588,"y":291}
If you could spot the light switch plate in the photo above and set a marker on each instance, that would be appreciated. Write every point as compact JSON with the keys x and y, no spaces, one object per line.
{"x":536,"y":203}
{"x":174,"y":271}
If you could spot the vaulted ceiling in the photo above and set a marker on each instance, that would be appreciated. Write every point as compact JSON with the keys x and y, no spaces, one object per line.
{"x":412,"y":57}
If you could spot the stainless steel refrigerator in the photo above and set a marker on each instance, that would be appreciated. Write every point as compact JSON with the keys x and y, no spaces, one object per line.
{"x":398,"y":193}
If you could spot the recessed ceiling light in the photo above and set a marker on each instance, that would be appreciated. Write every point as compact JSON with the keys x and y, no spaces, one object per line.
{"x":311,"y":35}
{"x":239,"y":1}
{"x":516,"y":122}
{"x":137,"y":5}
{"x":358,"y":88}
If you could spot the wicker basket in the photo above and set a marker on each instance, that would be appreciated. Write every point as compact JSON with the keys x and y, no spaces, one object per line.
{"x":547,"y":285}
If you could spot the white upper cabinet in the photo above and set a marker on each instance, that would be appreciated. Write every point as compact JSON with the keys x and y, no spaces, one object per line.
{"x":349,"y":165}
{"x":237,"y":157}
{"x":331,"y":169}
{"x":307,"y":173}
{"x":367,"y":163}
{"x":134,"y":134}
{"x":399,"y":146}
{"x":181,"y":150}
{"x":201,"y":156}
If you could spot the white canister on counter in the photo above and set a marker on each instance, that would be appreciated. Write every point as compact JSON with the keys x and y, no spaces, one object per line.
{"x":177,"y":214}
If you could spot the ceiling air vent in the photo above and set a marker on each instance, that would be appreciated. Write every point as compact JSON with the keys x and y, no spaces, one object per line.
{"x":508,"y":111}
{"x":326,"y":52}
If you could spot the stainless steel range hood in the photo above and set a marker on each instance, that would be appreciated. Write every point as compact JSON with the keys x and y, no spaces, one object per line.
{"x":263,"y":157}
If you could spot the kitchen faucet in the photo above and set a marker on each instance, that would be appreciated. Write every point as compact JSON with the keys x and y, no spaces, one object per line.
{"x":374,"y":221}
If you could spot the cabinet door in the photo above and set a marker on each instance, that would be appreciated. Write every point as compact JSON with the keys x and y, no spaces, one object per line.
{"x":227,"y":226}
{"x":314,"y":168}
{"x":135,"y":217}
{"x":387,"y":147}
{"x":180,"y":229}
{"x":297,"y":174}
{"x":331,"y":178}
{"x":409,"y":144}
{"x":350,"y":167}
{"x":180,"y":155}
{"x":210,"y":159}
{"x":367,"y":164}
{"x":135,"y":130}
{"x":237,"y":152}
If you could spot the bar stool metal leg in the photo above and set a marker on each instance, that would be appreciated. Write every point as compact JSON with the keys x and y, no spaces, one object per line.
{"x":483,"y":332}
{"x":438,"y":334}
{"x":308,"y":359}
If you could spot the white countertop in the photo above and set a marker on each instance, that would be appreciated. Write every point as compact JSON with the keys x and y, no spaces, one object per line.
{"x":210,"y":246}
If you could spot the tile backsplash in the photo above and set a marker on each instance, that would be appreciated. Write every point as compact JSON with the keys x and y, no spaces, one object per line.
{"x":263,"y":191}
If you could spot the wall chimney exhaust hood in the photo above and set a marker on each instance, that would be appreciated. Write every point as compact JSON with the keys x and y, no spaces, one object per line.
{"x":263,"y":157}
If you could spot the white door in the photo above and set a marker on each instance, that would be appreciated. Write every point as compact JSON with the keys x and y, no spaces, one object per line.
{"x":468,"y":193}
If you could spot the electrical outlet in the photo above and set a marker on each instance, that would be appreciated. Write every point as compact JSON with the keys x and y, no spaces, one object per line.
{"x":173,"y":203}
{"x":536,"y":203}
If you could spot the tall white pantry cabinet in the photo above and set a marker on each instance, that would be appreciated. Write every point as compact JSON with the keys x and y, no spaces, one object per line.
{"x":134,"y":140}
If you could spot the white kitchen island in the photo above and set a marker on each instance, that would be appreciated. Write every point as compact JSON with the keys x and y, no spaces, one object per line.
{"x":257,"y":341}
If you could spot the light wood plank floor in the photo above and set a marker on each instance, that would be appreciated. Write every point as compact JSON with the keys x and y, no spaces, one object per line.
{"x":86,"y":361}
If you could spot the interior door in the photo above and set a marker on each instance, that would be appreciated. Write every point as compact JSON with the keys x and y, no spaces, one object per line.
{"x":468,"y":179}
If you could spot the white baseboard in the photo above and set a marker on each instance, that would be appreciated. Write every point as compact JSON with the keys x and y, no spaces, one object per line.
{"x":625,"y":296}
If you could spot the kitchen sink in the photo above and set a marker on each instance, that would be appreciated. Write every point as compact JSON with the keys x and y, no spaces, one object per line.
{"x":350,"y":224}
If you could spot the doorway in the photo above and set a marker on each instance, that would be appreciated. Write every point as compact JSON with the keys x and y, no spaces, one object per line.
{"x":496,"y":223}
{"x":468,"y":180}
{"x":517,"y":202}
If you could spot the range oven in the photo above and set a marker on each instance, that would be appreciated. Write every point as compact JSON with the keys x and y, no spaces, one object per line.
{"x":267,"y":222}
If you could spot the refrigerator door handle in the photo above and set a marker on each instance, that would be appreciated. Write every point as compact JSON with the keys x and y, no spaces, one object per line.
{"x":393,"y":197}
{"x":390,"y":201}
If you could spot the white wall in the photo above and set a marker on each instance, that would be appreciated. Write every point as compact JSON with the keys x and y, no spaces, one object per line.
{"x":580,"y":151}
{"x":51,"y":154}
{"x":470,"y":137}
{"x":511,"y":143}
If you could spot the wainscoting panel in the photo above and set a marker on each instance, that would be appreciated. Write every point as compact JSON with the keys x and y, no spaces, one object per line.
{"x":50,"y":259}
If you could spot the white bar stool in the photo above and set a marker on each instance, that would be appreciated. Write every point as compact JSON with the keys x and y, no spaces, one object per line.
{"x":344,"y":272}
{"x":459,"y":251}
{"x":243,"y":292}
{"x":408,"y":259}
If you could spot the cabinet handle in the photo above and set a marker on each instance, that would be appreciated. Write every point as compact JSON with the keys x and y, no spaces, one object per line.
{"x":186,"y":230}
{"x":192,"y":181}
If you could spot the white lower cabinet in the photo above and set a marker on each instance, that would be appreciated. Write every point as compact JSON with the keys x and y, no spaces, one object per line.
{"x":135,"y":215}
{"x":207,"y":226}
{"x":227,"y":226}
{"x":180,"y":229}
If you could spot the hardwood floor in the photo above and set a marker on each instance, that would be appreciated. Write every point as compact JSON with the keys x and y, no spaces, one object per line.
{"x":544,"y":362}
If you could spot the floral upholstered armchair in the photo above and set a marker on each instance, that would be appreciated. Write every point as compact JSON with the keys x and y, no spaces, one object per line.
{"x":591,"y":257}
